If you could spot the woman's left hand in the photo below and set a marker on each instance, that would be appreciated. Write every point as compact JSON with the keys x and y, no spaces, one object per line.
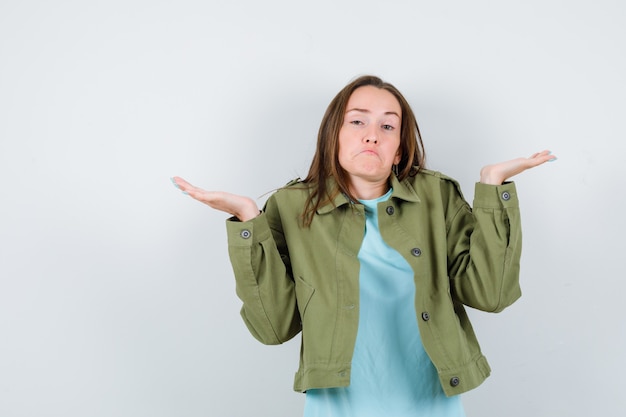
{"x":496,"y":174}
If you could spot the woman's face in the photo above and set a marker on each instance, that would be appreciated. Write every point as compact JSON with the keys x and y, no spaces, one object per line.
{"x":369,"y":138}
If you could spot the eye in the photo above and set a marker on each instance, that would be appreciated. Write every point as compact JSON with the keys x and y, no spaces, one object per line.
{"x":356,"y":122}
{"x":388,"y":127}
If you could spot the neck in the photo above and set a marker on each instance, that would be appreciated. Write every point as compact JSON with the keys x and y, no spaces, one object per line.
{"x":366,"y":190}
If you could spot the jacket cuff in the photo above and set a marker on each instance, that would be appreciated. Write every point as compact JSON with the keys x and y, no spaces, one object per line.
{"x":246,"y":234}
{"x":495,"y":196}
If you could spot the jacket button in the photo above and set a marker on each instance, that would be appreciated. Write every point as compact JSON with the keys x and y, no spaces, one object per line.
{"x":390,"y":210}
{"x":455,"y":381}
{"x":506,"y":196}
{"x":416,"y":251}
{"x":245,"y":233}
{"x":425,"y":316}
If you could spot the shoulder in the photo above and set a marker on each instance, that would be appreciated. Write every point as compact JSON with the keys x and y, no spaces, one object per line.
{"x":436,"y":179}
{"x":293,"y":194}
{"x":294,"y":188}
{"x":293,"y":183}
{"x":430,"y":175}
{"x":437,"y":187}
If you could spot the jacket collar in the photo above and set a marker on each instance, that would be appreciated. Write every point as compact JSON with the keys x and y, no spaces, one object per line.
{"x":402,"y":190}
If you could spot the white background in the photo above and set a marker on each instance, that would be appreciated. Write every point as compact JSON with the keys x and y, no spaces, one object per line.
{"x":116,"y":293}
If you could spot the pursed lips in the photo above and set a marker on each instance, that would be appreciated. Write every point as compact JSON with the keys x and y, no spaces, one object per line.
{"x":368,"y":152}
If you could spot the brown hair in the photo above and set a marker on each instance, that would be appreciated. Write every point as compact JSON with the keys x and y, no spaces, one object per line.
{"x":325,"y":162}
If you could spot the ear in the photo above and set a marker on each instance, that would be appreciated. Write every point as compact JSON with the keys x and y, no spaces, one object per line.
{"x":398,"y":157}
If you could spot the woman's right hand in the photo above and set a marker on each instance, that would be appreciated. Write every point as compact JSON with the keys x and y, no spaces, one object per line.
{"x":244,"y":208}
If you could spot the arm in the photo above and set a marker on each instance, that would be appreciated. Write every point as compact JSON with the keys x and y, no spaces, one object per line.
{"x":264,"y":282}
{"x":484,"y":244}
{"x":484,"y":248}
{"x":260,"y":262}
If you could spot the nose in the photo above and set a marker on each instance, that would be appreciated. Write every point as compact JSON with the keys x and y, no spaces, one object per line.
{"x":370,"y":136}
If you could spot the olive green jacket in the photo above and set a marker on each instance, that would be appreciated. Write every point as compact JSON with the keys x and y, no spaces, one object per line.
{"x":291,"y":278}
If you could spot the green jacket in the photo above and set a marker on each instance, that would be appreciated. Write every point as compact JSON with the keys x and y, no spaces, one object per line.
{"x":293,"y":279}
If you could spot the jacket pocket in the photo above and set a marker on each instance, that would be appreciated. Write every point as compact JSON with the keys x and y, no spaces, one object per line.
{"x":304,"y":292}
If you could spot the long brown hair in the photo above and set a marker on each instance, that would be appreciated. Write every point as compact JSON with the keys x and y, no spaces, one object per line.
{"x":325,"y":162}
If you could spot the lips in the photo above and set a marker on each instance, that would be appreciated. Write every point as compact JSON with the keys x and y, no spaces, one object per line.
{"x":368,"y":152}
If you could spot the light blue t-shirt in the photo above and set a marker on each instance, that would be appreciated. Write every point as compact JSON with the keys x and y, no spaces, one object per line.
{"x":392,"y":375}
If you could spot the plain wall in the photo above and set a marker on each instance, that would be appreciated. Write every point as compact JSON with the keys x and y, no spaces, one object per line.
{"x":116,"y":294}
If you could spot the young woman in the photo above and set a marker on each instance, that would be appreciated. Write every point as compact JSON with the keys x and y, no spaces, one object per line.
{"x":373,"y":257}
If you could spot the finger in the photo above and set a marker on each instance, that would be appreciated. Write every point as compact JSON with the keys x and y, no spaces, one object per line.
{"x":188,"y":188}
{"x":551,"y":157}
{"x":201,"y":195}
{"x":546,"y":155}
{"x":543,"y":157}
{"x":181,"y":183}
{"x":539,"y":154}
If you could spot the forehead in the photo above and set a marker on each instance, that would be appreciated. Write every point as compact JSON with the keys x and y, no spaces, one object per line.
{"x":373,"y":99}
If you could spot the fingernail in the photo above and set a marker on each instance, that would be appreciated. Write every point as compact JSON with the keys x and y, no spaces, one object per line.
{"x":553,"y":159}
{"x":173,"y":182}
{"x":185,"y":192}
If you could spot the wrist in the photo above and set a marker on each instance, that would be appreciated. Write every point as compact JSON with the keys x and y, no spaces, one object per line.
{"x":248,"y":213}
{"x":487,"y":176}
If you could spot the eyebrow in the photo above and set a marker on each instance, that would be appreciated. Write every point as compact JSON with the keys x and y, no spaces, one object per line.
{"x":392,"y":113}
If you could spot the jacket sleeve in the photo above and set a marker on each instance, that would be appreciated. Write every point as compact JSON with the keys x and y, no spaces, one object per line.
{"x":484,"y":246}
{"x":263,"y":278}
